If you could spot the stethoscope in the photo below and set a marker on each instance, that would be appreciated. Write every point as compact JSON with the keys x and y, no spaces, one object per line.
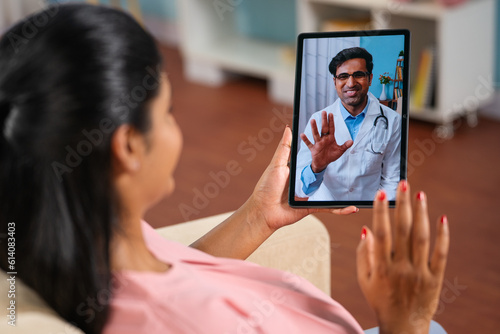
{"x":378,"y":137}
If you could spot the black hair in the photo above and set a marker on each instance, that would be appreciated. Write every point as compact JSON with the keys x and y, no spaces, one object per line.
{"x":351,"y":53}
{"x":65,"y":87}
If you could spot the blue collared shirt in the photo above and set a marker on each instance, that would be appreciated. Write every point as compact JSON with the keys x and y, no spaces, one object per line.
{"x":353,"y":123}
{"x":310,"y":180}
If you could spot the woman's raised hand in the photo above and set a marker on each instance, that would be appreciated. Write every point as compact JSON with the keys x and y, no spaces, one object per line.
{"x":265,"y":211}
{"x":270,"y":196}
{"x":400,"y":283}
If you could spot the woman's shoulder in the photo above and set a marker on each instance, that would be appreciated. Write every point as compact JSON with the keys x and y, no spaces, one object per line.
{"x":171,"y":251}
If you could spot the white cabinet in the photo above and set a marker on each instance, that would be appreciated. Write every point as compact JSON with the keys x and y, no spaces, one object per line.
{"x":464,"y":38}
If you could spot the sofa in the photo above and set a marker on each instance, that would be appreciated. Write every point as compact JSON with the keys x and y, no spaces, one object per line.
{"x":302,"y":248}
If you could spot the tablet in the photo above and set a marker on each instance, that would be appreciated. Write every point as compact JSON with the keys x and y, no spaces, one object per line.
{"x":350,"y":122}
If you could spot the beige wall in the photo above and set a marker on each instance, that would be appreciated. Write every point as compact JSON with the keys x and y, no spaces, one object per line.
{"x":14,"y":10}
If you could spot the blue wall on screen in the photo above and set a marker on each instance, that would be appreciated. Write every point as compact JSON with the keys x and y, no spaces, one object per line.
{"x":385,"y":51}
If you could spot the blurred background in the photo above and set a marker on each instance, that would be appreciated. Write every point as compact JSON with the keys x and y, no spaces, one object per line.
{"x":232,"y":67}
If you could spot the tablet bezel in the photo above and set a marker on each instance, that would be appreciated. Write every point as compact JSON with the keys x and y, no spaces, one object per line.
{"x":293,"y":202}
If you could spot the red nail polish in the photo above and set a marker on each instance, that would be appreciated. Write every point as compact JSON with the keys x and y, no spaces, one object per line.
{"x":363,"y":233}
{"x":444,"y":219}
{"x":404,"y":186}
{"x":381,"y":195}
{"x":420,"y":195}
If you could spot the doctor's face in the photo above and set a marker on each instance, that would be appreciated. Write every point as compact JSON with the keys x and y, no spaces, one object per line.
{"x":353,"y":92}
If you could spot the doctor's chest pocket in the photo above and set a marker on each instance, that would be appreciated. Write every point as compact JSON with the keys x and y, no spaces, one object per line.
{"x":372,"y":158}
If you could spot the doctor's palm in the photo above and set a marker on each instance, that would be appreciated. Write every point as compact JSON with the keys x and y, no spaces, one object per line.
{"x":325,"y":149}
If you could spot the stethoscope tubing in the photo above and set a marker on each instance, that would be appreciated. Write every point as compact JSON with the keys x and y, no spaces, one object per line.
{"x":385,"y":120}
{"x":382,"y":115}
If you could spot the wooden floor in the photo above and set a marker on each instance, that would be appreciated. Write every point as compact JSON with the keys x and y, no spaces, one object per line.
{"x":461,"y":177}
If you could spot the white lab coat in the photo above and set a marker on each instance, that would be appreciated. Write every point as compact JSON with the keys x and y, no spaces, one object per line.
{"x":358,"y":173}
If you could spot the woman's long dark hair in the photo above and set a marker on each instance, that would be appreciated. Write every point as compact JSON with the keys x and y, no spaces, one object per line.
{"x":69,"y":76}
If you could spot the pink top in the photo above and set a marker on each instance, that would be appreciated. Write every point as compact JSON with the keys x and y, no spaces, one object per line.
{"x":205,"y":294}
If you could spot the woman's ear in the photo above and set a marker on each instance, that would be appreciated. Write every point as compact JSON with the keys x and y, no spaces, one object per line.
{"x":128,"y":148}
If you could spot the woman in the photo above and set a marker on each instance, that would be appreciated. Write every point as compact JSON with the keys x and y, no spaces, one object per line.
{"x":88,"y":145}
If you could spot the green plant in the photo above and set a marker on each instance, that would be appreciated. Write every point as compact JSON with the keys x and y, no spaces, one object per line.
{"x":401,"y":53}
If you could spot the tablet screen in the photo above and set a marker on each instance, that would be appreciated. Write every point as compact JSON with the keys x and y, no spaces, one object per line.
{"x":350,"y":127}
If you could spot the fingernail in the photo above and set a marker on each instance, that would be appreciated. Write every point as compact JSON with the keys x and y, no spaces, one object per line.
{"x":357,"y":209}
{"x":363,"y":233}
{"x":420,"y":196}
{"x":444,"y":219}
{"x":404,"y":186}
{"x":381,"y":195}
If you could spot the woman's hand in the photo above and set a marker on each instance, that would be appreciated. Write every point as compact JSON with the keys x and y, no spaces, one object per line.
{"x":270,"y":196}
{"x":265,"y":211}
{"x":396,"y":277}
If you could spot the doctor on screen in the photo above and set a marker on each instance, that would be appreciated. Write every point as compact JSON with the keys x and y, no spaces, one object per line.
{"x":351,"y":148}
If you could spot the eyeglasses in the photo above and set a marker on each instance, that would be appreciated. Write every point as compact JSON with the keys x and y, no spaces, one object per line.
{"x":358,"y":75}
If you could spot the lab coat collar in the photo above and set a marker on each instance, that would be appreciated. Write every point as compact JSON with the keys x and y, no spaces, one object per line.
{"x":345,"y":114}
{"x":341,"y":132}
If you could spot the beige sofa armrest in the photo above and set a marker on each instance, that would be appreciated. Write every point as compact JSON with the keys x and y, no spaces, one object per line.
{"x":302,"y":248}
{"x":32,"y":315}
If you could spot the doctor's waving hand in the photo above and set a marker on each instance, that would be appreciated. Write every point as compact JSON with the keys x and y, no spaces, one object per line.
{"x":325,"y":150}
{"x":351,"y":149}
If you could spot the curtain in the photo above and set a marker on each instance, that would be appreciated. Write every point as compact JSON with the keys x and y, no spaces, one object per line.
{"x":317,"y":90}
